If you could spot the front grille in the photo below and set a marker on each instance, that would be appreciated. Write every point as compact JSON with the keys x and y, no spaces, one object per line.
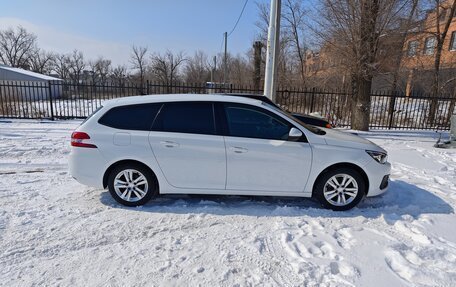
{"x":385,"y":182}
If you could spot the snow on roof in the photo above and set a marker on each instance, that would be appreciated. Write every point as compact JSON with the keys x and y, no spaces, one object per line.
{"x":8,"y":73}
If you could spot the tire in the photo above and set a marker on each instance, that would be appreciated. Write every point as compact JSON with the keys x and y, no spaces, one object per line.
{"x":131,"y":189}
{"x":329,"y":189}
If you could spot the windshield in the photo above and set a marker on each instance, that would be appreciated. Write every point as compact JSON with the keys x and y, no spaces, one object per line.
{"x":311,"y":128}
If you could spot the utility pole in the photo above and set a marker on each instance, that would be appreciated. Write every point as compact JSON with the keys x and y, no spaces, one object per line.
{"x":272,"y":50}
{"x":213,"y":69}
{"x":257,"y":46}
{"x":225,"y":59}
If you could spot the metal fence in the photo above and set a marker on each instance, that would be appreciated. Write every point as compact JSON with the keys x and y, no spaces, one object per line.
{"x":60,"y":100}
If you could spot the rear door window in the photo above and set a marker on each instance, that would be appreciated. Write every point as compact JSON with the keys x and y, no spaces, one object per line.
{"x":186,"y":117}
{"x":131,"y":117}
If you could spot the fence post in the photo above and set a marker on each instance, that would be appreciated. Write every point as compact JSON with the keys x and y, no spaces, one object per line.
{"x":147,"y":88}
{"x":391,"y":110}
{"x":312,"y":100}
{"x":50,"y":100}
{"x":231,"y":88}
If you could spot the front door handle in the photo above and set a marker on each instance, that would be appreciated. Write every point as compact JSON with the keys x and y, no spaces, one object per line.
{"x":238,"y":149}
{"x":169,"y":144}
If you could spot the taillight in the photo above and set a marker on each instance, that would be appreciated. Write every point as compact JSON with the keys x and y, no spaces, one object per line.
{"x":77,"y":139}
{"x":328,"y":126}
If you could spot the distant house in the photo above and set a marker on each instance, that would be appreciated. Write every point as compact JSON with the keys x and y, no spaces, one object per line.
{"x":20,"y":83}
{"x":420,"y":49}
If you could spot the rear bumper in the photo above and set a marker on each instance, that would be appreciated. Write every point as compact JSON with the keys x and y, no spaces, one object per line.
{"x":378,"y":175}
{"x":87,"y":166}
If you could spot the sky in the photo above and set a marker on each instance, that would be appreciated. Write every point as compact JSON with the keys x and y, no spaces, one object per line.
{"x":109,"y":28}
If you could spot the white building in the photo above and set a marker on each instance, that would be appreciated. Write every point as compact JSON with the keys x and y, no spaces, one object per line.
{"x":16,"y":83}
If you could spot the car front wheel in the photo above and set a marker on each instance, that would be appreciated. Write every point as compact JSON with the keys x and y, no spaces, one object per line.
{"x":132,"y":184}
{"x":340,"y":189}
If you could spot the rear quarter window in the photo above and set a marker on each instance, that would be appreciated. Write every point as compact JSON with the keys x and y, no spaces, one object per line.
{"x":92,"y":114}
{"x":131,"y":117}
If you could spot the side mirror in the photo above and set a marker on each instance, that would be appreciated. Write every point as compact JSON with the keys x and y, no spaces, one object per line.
{"x":294,"y":134}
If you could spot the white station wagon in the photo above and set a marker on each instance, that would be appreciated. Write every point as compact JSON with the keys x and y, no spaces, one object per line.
{"x":140,"y":147}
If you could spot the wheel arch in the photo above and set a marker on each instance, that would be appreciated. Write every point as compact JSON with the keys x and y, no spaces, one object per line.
{"x":343,"y":165}
{"x":127,"y":161}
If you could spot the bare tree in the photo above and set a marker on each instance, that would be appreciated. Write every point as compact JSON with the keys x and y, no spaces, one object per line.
{"x":61,"y":66}
{"x":366,"y":49}
{"x":440,"y":36}
{"x":103,"y":68}
{"x":76,"y":66}
{"x":286,"y":60}
{"x":409,"y":23}
{"x":197,"y":69}
{"x":138,"y":60}
{"x":293,"y":15}
{"x":165,"y":67}
{"x":240,"y":70}
{"x":16,"y":47}
{"x":100,"y":69}
{"x":354,"y":27}
{"x":263,"y":21}
{"x":92,"y":70}
{"x":119,"y":75}
{"x":42,"y":62}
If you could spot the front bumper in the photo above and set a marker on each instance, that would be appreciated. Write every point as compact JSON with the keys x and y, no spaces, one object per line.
{"x":378,"y":176}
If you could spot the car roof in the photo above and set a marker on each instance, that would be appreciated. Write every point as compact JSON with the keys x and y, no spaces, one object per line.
{"x":260,"y":97}
{"x":243,"y":95}
{"x":179,"y":98}
{"x":310,"y":117}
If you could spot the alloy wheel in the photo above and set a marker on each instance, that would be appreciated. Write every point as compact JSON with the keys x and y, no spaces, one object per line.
{"x":130,"y":185}
{"x":340,"y":189}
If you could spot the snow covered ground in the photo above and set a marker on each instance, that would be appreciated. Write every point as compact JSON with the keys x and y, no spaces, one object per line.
{"x":54,"y":231}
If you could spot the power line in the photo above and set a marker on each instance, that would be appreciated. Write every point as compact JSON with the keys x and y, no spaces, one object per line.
{"x":224,"y":40}
{"x":239,"y":18}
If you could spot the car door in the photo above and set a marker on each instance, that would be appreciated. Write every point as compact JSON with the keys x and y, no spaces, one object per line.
{"x":187,"y":147}
{"x":259,"y":155}
{"x":125,"y":132}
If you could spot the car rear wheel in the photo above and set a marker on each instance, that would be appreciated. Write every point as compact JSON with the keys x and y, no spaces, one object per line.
{"x":132,"y":184}
{"x":340,"y":189}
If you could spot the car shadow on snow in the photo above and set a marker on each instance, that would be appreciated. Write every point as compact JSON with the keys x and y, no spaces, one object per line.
{"x":401,"y":199}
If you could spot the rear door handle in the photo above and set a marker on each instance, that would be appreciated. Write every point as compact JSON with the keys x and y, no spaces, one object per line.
{"x":169,"y":144}
{"x":238,"y":149}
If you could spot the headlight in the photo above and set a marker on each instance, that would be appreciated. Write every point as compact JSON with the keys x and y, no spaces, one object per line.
{"x":379,"y":157}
